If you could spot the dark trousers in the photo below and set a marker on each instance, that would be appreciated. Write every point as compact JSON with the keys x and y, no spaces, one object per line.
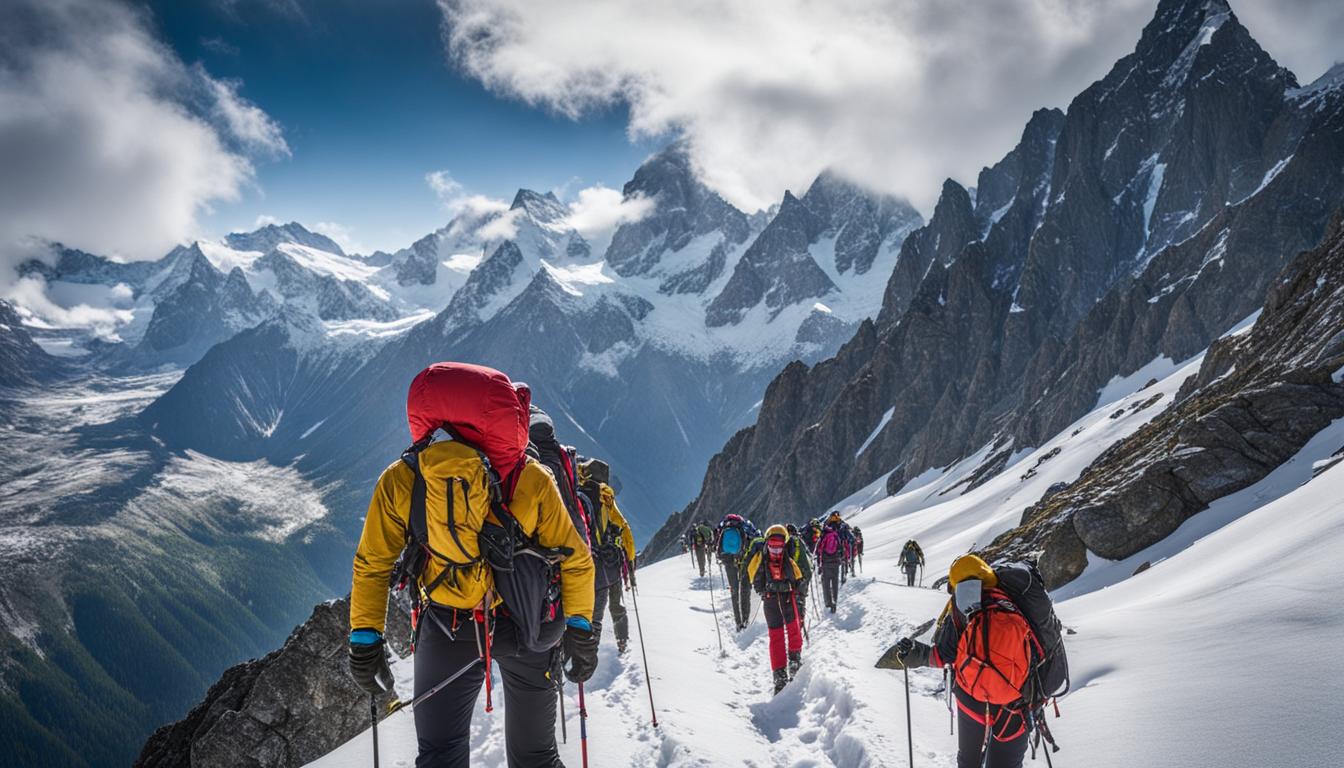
{"x":443,"y":721}
{"x":610,"y":596}
{"x":910,"y":569}
{"x":971,"y":740}
{"x":830,"y":583}
{"x":801,"y":597}
{"x":701,"y":555}
{"x":740,"y":593}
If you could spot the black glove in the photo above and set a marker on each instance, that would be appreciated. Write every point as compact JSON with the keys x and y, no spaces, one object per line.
{"x":904,"y":646}
{"x":580,"y":650}
{"x":631,"y":572}
{"x":368,"y":666}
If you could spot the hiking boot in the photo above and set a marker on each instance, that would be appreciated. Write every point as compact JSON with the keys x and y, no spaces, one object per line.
{"x":831,"y":608}
{"x":622,"y":644}
{"x":795,"y":661}
{"x":781,"y":679}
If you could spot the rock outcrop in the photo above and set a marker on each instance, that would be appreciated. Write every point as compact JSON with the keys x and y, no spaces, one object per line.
{"x":280,"y":711}
{"x":1256,"y":400}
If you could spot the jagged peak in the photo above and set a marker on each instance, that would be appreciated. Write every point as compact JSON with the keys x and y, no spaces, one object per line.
{"x":952,"y":197}
{"x":266,"y":237}
{"x":542,"y":207}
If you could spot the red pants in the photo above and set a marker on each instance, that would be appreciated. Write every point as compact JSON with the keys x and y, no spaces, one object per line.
{"x":782,"y":620}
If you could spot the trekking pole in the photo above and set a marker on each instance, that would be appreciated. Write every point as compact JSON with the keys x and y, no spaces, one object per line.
{"x":398,"y":705}
{"x":634,"y":598}
{"x":373,"y":715}
{"x":921,"y":575}
{"x":564,"y":728}
{"x":714,"y":608}
{"x":909,"y":725}
{"x":583,"y":728}
{"x":947,"y":686}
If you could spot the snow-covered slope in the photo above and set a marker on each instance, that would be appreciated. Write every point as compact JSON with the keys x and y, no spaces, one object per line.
{"x":1176,"y":666}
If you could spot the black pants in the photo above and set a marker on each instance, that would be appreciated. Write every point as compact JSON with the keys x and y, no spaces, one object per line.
{"x":611,"y":596}
{"x":1002,"y":754}
{"x":830,"y":583}
{"x":801,"y":597}
{"x":739,"y":592}
{"x":701,"y":555}
{"x":910,"y":569}
{"x":443,"y":721}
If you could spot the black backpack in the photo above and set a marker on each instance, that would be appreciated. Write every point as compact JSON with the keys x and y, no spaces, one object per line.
{"x":543,"y":444}
{"x":1023,"y":583}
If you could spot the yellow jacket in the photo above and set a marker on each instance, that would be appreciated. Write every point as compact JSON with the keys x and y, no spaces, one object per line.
{"x":610,"y":513}
{"x":755,"y":561}
{"x":450,"y":466}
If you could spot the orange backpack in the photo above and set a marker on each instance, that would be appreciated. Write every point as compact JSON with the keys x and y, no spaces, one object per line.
{"x":996,"y":652}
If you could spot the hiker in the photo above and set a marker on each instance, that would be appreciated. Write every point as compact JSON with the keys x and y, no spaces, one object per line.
{"x":613,"y":548}
{"x":798,"y":552}
{"x":561,"y":460}
{"x":912,"y":559}
{"x":1000,"y":634}
{"x":730,"y":545}
{"x":466,"y":514}
{"x":776,"y":577}
{"x":701,"y":542}
{"x":831,"y":555}
{"x":858,"y":546}
{"x":812,"y":534}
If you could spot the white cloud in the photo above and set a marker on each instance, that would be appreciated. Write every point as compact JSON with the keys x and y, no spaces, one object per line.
{"x":30,"y":299}
{"x":108,"y":141}
{"x":897,"y":94}
{"x":597,"y":211}
{"x":265,"y":220}
{"x":342,"y":234}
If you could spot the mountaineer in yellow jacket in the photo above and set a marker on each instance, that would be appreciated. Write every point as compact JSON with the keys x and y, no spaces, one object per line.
{"x":613,"y":548}
{"x":436,"y":504}
{"x":777,"y":576}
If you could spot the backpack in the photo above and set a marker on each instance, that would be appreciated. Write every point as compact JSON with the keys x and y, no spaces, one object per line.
{"x":829,"y":543}
{"x":730,"y":542}
{"x":997,"y":652}
{"x":454,"y":397}
{"x":1025,"y":586}
{"x":560,"y":460}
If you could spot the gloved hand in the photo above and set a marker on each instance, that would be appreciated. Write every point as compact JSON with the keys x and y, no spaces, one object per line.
{"x":580,"y":649}
{"x":630,"y":571}
{"x":904,"y":646}
{"x":368,"y":661}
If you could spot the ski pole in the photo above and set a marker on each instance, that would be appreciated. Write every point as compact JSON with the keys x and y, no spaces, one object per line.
{"x":714,"y":608}
{"x":634,"y":598}
{"x":564,"y":728}
{"x":909,"y":725}
{"x":921,"y":575}
{"x":583,"y":727}
{"x":373,"y":715}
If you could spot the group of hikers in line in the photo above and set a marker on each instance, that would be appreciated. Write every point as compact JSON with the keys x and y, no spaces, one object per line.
{"x":779,"y":566}
{"x":513,"y":549}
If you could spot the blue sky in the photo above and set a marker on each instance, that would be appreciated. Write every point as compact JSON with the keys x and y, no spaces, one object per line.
{"x":369,"y":104}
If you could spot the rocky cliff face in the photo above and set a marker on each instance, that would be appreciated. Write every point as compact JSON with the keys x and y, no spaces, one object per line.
{"x":22,"y":361}
{"x":1144,"y":221}
{"x":283,"y":710}
{"x":1257,"y":399}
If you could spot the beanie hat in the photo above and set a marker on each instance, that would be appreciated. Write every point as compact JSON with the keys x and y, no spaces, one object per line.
{"x":971,"y":567}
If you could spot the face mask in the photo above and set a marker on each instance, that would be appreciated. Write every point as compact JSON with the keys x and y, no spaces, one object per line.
{"x":968,"y":595}
{"x":775,"y":549}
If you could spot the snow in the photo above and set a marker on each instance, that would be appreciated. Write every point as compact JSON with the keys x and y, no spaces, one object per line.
{"x":1269,"y":176}
{"x":1119,"y":386}
{"x":325,"y":263}
{"x":1150,"y":202}
{"x":886,"y":417}
{"x":1152,"y":655}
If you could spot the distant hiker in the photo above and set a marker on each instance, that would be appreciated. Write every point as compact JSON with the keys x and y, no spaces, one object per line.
{"x":812,"y":534}
{"x":798,"y":552}
{"x":730,"y":545}
{"x":912,"y":559}
{"x":832,"y":549}
{"x":560,"y":459}
{"x":702,"y":542}
{"x":776,"y":577}
{"x":613,"y":548}
{"x":858,"y":546}
{"x":493,"y":559}
{"x":1000,"y":633}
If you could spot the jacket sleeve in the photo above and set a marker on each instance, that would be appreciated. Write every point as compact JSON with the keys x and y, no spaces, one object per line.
{"x":555,"y":529}
{"x":379,"y":546}
{"x":804,"y":562}
{"x":945,"y":639}
{"x":627,"y":538}
{"x":755,"y":573}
